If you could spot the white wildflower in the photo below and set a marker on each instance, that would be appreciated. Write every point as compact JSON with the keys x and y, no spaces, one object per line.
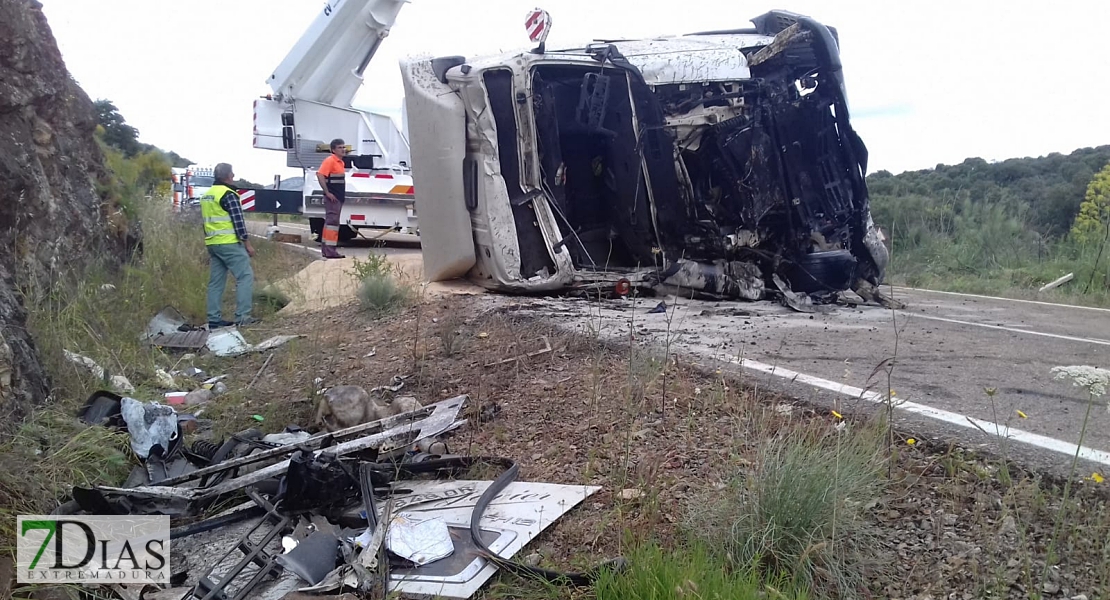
{"x":1093,"y":379}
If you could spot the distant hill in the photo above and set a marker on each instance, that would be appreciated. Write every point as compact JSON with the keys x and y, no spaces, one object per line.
{"x":1044,"y":192}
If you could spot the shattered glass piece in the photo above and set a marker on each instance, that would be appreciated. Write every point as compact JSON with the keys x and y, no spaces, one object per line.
{"x":421,"y":542}
{"x":148,"y":425}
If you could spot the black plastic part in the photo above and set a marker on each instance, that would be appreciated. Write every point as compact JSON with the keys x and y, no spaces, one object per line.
{"x":314,"y":483}
{"x":470,"y":182}
{"x":313,"y":558}
{"x":442,"y":64}
{"x":102,"y":408}
{"x":831,"y":271}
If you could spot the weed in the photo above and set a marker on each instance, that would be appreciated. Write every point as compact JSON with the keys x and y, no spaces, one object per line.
{"x":800,"y":511}
{"x":375,"y":265}
{"x":381,"y":295}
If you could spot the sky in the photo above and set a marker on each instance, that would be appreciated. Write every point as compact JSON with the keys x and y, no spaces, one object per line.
{"x":928,"y":82}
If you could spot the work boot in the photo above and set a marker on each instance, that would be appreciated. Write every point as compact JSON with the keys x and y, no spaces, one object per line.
{"x":248,"y":321}
{"x":218,"y":324}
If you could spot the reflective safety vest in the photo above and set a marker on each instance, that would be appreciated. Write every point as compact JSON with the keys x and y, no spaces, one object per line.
{"x":218,"y":228}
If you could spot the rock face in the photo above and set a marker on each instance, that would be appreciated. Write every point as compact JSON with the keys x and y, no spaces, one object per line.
{"x":54,"y":218}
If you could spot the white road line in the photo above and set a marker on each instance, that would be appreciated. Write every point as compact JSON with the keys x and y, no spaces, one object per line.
{"x":1033,"y":439}
{"x":1056,"y":304}
{"x":1013,"y":329}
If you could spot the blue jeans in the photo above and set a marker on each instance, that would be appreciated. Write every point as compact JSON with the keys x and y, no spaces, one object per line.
{"x":234,"y":258}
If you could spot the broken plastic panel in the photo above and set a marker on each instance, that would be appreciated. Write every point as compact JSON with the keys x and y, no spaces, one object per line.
{"x":420,"y":542}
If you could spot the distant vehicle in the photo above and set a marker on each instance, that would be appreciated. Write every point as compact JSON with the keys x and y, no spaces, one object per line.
{"x":190,"y":183}
{"x":720,"y":163}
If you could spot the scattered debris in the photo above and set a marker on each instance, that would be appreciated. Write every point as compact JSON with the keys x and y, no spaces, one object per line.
{"x":395,"y":386}
{"x":350,"y":508}
{"x":660,"y":308}
{"x":260,"y":370}
{"x":229,"y":342}
{"x":546,"y":348}
{"x":1057,"y":283}
{"x":165,"y":379}
{"x":118,"y":382}
{"x":150,"y":425}
{"x":170,"y":329}
{"x":631,"y":494}
{"x":197,"y":397}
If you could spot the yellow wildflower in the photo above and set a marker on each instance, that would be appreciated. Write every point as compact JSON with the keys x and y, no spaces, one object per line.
{"x":1097,"y":478}
{"x":911,"y":441}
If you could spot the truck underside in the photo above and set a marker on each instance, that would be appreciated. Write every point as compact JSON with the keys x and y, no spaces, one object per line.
{"x":726,"y":188}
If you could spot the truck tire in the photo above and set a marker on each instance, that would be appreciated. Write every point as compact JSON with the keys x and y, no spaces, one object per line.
{"x":822,"y":272}
{"x":346,"y":233}
{"x":316,"y":228}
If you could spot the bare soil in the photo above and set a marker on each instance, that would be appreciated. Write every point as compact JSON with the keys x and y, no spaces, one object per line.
{"x":662,"y":438}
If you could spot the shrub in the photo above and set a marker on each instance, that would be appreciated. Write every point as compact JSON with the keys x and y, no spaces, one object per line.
{"x":381,"y":294}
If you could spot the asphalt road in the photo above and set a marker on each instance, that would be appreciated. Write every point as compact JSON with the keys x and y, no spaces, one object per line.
{"x":947,"y":351}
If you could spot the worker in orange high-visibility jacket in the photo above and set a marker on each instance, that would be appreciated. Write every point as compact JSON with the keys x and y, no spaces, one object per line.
{"x":331,"y":176}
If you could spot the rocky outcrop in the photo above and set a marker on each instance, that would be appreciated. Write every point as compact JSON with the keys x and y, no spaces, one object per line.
{"x":52,"y":174}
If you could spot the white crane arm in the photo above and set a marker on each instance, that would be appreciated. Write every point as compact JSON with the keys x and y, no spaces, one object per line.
{"x":327,"y":63}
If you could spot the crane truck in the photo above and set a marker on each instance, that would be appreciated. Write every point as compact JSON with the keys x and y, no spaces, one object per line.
{"x":310,"y":104}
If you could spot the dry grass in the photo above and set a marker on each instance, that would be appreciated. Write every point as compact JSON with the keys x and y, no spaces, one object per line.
{"x":101,"y":314}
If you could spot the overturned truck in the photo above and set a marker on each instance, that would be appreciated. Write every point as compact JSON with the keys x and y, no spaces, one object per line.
{"x":720,"y":164}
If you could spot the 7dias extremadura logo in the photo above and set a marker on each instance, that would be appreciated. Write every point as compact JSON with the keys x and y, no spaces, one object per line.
{"x":93,"y":549}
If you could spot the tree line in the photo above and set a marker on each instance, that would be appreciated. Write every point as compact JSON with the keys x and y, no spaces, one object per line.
{"x":995,"y":225}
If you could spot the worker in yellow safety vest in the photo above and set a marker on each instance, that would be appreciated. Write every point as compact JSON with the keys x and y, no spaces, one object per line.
{"x":229,"y":249}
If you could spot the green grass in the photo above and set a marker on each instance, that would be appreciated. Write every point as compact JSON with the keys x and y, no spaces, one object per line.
{"x":692,"y":571}
{"x":797,"y":513}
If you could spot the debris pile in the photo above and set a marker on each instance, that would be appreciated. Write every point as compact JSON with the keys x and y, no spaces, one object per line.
{"x":363,"y":505}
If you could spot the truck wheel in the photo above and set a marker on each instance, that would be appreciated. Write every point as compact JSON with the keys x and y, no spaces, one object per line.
{"x":832,"y":270}
{"x":346,"y":233}
{"x":316,"y":228}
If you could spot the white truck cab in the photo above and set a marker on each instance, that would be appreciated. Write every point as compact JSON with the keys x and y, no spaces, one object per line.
{"x":720,"y":163}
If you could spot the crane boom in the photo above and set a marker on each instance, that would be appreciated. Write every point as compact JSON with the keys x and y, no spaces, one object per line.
{"x":313,"y":89}
{"x":327,"y":62}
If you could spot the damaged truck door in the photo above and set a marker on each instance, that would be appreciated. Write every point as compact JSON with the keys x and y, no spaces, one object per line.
{"x":720,"y":164}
